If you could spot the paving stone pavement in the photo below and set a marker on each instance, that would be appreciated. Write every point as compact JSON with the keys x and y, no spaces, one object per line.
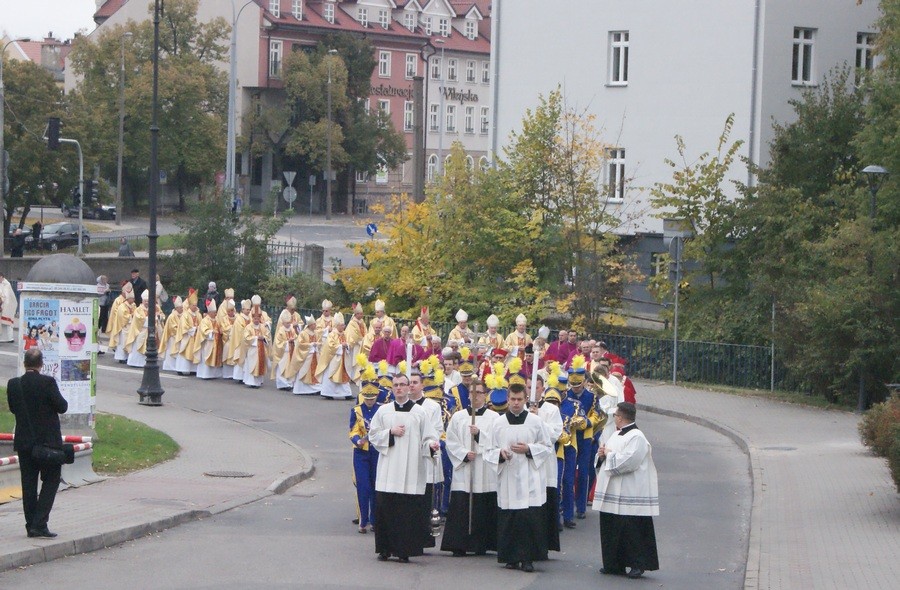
{"x":127,"y":507}
{"x":825,"y":512}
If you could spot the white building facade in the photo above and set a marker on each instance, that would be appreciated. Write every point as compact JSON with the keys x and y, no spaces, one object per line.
{"x":654,"y":69}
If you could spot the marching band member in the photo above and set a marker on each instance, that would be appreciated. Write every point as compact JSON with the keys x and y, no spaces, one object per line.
{"x":365,"y":455}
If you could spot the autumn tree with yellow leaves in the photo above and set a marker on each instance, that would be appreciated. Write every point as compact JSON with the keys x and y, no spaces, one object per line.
{"x":531,"y":236}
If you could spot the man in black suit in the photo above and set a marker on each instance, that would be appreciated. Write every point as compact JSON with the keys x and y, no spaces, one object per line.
{"x":35,"y":399}
{"x":139,"y":284}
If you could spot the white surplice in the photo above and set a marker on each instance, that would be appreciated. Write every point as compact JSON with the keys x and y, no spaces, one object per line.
{"x":521,"y":480}
{"x":482,"y":474}
{"x":401,"y":466}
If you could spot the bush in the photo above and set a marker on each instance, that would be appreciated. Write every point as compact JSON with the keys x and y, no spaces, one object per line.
{"x":894,"y":457}
{"x":878,"y":426}
{"x":309,"y":291}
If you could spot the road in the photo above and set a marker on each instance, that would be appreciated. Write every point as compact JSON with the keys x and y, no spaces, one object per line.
{"x":304,"y":538}
{"x":332,"y":235}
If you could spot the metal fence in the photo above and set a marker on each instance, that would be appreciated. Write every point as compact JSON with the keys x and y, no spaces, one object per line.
{"x":285,"y":258}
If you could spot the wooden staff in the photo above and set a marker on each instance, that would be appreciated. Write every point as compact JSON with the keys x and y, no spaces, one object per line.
{"x":543,"y":334}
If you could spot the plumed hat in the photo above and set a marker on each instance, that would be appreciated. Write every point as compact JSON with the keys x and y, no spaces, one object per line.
{"x":466,"y":364}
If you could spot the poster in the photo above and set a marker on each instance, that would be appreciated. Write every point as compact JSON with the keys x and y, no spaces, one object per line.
{"x":62,"y":327}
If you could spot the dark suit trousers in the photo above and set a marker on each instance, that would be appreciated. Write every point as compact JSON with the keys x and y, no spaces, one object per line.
{"x":37,"y":506}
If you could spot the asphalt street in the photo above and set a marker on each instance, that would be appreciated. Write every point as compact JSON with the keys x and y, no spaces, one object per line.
{"x":304,"y":538}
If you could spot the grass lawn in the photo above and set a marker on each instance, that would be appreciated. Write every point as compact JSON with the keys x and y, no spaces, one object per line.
{"x":166,"y":242}
{"x":121,"y":446}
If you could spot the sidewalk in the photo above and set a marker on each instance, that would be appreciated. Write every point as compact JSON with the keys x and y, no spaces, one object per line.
{"x":825,"y":512}
{"x":131,"y":506}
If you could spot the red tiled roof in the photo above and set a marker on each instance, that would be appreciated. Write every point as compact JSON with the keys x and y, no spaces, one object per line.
{"x":31,"y":49}
{"x":108,"y":9}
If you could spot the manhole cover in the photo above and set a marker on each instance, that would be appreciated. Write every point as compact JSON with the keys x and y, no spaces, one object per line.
{"x":228,"y":474}
{"x":779,"y":448}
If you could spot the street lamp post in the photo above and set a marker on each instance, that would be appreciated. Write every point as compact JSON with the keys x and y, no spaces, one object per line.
{"x":127,"y":35}
{"x":328,"y":172}
{"x":231,"y":141}
{"x":151,"y":390}
{"x":2,"y":149}
{"x":875,"y":176}
{"x":425,"y":53}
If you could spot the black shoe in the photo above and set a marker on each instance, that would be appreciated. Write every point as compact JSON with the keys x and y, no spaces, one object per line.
{"x":403,"y":559}
{"x":570,"y":524}
{"x":43,"y":533}
{"x":527,"y":567}
{"x":355,"y":521}
{"x":580,"y":516}
{"x":512,"y":566}
{"x":635,"y":573}
{"x":383,"y":557}
{"x":611,"y":572}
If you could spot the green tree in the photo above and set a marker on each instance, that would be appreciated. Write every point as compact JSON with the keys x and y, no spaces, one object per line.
{"x":193,"y":96}
{"x":214,"y":246}
{"x":35,"y":175}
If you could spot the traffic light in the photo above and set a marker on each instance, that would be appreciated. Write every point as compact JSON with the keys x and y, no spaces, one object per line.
{"x":92,"y":189}
{"x":53,"y":133}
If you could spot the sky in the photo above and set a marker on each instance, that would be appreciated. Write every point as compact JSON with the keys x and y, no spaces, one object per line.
{"x":35,"y":18}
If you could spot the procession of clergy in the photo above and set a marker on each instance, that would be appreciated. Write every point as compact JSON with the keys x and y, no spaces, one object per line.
{"x":500,"y":440}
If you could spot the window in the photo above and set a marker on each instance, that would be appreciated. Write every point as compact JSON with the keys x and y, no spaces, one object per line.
{"x":426,"y":25}
{"x":470,"y":71}
{"x":616,"y":175}
{"x":434,"y":117}
{"x":435,"y":68}
{"x":368,"y":105}
{"x":618,"y":58}
{"x":444,"y":27}
{"x":657,"y":263}
{"x":484,"y":120}
{"x":384,"y":106}
{"x":275,"y":7}
{"x":471,"y":29}
{"x":451,"y":70}
{"x":384,"y":64}
{"x":328,"y":12}
{"x":470,"y":119}
{"x":412,"y":65}
{"x":408,"y":115}
{"x":432,"y":165}
{"x":362,"y":176}
{"x":275,"y":49}
{"x":409,"y":20}
{"x":362,"y":15}
{"x":802,"y":59}
{"x":451,"y":118}
{"x":865,"y":60}
{"x":383,"y":19}
{"x":297,"y":9}
{"x":485,"y":72}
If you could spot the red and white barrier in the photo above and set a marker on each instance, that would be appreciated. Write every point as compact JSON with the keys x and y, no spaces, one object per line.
{"x":11,"y":460}
{"x":8,"y":436}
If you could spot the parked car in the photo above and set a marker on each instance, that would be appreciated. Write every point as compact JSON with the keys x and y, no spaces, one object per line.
{"x":90,"y":212}
{"x":59,"y":235}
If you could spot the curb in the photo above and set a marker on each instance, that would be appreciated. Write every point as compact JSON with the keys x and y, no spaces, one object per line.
{"x":70,"y":547}
{"x":752,"y":567}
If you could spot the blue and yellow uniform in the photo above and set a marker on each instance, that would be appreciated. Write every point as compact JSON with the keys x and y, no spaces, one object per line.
{"x":584,"y":433}
{"x":365,"y":456}
{"x":572,"y":413}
